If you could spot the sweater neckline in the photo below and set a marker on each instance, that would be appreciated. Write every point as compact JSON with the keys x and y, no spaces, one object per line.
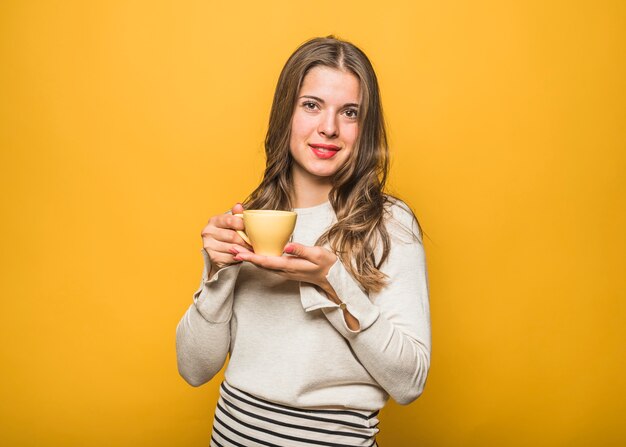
{"x":325,"y":206}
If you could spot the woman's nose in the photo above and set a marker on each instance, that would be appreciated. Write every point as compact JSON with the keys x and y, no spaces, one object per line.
{"x":328,"y":126}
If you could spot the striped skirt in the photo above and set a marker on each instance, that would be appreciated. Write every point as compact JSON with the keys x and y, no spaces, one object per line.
{"x":244,"y":420}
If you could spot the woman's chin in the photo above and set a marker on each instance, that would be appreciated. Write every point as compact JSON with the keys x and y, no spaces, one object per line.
{"x":321,"y":172}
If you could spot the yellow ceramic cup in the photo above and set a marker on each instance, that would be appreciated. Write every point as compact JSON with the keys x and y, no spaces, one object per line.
{"x":268,"y":231}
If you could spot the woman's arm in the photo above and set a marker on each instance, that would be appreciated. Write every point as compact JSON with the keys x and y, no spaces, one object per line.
{"x":393,"y":341}
{"x":203,"y":334}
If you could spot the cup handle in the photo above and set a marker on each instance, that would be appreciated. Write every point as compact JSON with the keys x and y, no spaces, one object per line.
{"x":243,"y":235}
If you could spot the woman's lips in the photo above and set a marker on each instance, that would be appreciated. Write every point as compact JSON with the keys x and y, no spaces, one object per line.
{"x":324,"y":151}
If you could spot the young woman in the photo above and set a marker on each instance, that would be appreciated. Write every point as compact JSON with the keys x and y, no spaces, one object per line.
{"x":320,"y":337}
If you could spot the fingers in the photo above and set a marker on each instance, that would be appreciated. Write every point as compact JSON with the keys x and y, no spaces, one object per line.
{"x":224,"y":236}
{"x":218,"y":250}
{"x":273,"y":262}
{"x":214,"y":246}
{"x":219,"y":238}
{"x":236,"y":249}
{"x":312,"y":254}
{"x":227,"y":221}
{"x":288,"y":264}
{"x":222,"y":253}
{"x":221,"y":260}
{"x":229,"y":236}
{"x":222,"y":228}
{"x":237,"y":209}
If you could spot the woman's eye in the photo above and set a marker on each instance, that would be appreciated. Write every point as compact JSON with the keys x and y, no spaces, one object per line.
{"x":309,"y":105}
{"x":351,"y":113}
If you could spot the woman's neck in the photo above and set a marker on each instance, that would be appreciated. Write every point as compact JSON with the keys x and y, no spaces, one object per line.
{"x":310,"y":191}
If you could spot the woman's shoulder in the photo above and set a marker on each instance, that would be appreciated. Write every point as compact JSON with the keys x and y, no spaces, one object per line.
{"x":400,"y":220}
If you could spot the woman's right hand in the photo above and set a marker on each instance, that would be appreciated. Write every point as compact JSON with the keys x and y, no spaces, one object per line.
{"x":220,"y":237}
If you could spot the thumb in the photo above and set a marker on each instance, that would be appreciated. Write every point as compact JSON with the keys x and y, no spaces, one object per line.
{"x":299,"y":250}
{"x":237,"y":209}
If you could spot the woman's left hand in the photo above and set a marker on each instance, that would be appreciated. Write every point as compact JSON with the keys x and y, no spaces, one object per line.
{"x":308,"y":264}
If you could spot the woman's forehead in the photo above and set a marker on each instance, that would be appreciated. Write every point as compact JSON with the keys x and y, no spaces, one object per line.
{"x":331,"y":84}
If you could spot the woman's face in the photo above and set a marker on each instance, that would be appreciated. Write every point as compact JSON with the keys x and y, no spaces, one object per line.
{"x":324,"y":126}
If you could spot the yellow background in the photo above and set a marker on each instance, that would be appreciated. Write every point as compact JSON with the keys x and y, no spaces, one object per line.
{"x":125,"y":125}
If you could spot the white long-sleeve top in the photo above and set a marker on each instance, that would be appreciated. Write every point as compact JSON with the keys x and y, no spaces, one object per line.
{"x":288,"y":343}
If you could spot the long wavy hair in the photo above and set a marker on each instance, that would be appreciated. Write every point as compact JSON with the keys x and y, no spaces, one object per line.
{"x":357,"y":195}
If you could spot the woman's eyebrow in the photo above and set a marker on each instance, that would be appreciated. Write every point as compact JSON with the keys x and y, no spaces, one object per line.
{"x":321,"y":101}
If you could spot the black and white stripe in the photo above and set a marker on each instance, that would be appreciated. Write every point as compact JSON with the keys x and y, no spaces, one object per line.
{"x":243,"y":420}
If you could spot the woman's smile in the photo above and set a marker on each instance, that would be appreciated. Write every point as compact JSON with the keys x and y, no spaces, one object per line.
{"x":324,"y":151}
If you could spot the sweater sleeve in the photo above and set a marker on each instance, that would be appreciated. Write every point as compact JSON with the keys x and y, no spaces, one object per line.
{"x":393,"y":341}
{"x":203,"y":333}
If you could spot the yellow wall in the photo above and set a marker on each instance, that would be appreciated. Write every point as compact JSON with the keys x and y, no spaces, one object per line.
{"x":125,"y":125}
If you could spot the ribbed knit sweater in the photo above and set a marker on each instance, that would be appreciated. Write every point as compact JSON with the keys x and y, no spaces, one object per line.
{"x":289,"y":344}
